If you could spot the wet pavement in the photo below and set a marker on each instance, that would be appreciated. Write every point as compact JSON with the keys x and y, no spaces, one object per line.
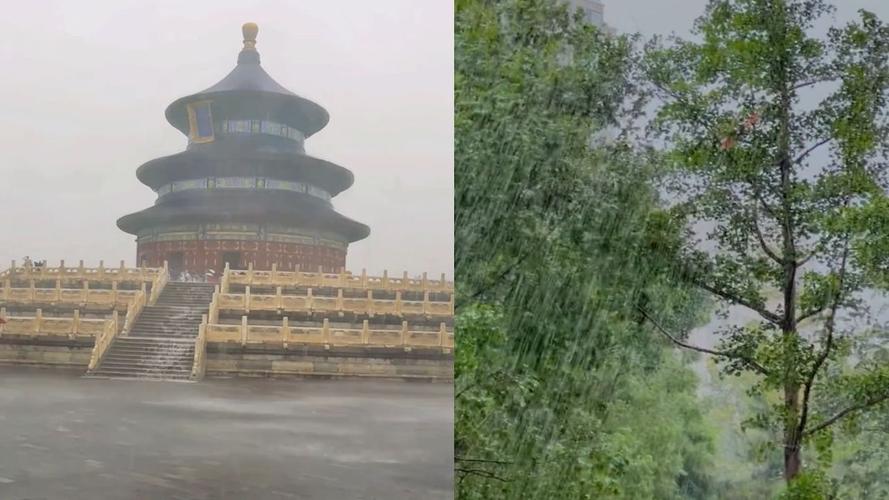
{"x":66,"y":437}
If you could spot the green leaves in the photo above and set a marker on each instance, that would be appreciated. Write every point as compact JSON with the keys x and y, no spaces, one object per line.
{"x":870,"y":224}
{"x":558,"y":243}
{"x":785,"y":188}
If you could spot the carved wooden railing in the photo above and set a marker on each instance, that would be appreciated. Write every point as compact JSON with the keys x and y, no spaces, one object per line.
{"x":103,"y":341}
{"x":246,"y":302}
{"x":50,"y":326}
{"x":200,"y":351}
{"x":326,"y":334}
{"x":344,"y":279}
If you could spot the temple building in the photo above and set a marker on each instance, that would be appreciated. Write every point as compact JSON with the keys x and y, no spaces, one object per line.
{"x":244,"y":191}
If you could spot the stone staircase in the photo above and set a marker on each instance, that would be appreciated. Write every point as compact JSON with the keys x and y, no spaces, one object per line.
{"x":160,"y":345}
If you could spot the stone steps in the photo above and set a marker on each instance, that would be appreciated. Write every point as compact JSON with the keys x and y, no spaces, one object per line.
{"x":160,"y":345}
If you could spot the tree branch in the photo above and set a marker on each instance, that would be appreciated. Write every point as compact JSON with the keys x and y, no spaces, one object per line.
{"x":830,"y":326}
{"x":729,"y":296}
{"x":811,"y":149}
{"x":813,"y":81}
{"x":805,"y":260}
{"x":808,"y":314}
{"x":758,"y":195}
{"x":479,"y":472}
{"x":861,"y":406}
{"x":496,"y":281}
{"x":498,"y":462}
{"x":724,"y":354}
{"x":762,"y":240}
{"x":461,"y":391}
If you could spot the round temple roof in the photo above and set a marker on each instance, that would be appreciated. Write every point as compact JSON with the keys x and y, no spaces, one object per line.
{"x":249,"y":84}
{"x":288,"y":209}
{"x":194,"y":164}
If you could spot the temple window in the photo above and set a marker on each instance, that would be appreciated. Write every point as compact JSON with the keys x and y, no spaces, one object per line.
{"x":264,"y":127}
{"x":260,"y":183}
{"x":200,"y":121}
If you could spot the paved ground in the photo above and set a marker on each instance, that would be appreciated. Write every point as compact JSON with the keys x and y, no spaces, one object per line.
{"x":65,"y":437}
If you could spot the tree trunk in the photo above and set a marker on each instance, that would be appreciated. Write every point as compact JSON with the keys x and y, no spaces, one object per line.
{"x":792,"y":457}
{"x":792,"y":463}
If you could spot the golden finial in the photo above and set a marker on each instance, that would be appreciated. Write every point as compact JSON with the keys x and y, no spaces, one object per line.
{"x":250,"y":30}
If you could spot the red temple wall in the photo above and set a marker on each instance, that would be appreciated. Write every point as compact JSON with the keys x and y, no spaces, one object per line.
{"x":199,"y":256}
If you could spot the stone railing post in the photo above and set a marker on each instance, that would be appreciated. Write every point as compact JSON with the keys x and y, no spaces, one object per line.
{"x":425,"y":283}
{"x":247,"y":299}
{"x":442,"y":335}
{"x":275,"y":272}
{"x":279,"y":299}
{"x":75,"y":327}
{"x":404,"y":333}
{"x":398,"y":304}
{"x":244,"y":330}
{"x":425,"y":302}
{"x":325,"y":331}
{"x":385,"y":281}
{"x":309,"y":299}
{"x":363,"y":278}
{"x":2,"y":315}
{"x":85,"y":293}
{"x":371,"y":310}
{"x":32,"y":291}
{"x":226,"y":274}
{"x":7,"y":285}
{"x":58,"y":297}
{"x":365,"y":333}
{"x":213,"y":313}
{"x":38,"y":320}
{"x":285,"y":331}
{"x":200,"y":350}
{"x":339,"y":300}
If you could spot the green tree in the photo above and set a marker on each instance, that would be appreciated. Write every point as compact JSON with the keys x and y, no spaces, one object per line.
{"x":777,"y":182}
{"x":560,"y":390}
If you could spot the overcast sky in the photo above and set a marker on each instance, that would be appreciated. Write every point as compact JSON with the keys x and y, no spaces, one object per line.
{"x":666,"y":16}
{"x":84,"y":86}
